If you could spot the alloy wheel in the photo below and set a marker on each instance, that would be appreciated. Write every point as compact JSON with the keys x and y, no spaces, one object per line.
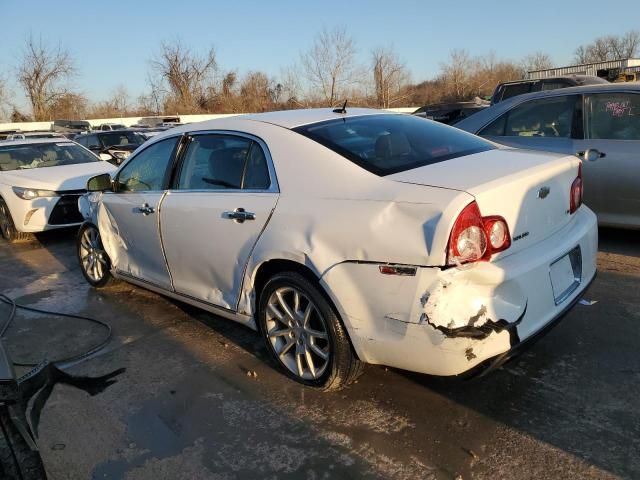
{"x":298,"y":333}
{"x":5,"y":221}
{"x":92,"y":255}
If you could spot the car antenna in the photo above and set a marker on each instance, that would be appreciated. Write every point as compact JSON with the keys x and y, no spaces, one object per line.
{"x":343,"y":109}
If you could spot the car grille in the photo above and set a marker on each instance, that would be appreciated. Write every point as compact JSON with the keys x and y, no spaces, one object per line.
{"x":66,"y":210}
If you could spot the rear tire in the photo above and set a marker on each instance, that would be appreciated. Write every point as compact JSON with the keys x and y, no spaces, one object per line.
{"x":7,"y":228}
{"x":17,"y":460}
{"x":304,"y":335}
{"x":94,"y":261}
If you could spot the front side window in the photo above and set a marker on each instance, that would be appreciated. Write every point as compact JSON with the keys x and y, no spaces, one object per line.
{"x":613,"y":116}
{"x":26,"y":157}
{"x":219,"y":162}
{"x":547,"y":117}
{"x":147,"y":170}
{"x":389,"y":143}
{"x":515,"y":89}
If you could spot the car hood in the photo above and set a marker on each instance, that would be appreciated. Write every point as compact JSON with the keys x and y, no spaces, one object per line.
{"x":63,"y":177}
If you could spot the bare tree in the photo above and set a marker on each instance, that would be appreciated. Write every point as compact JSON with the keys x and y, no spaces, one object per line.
{"x":185,"y":73}
{"x":456,"y":74}
{"x":537,"y":61}
{"x":390,"y":76}
{"x":42,"y":73}
{"x":329,"y":65}
{"x":257,"y":92}
{"x":609,"y":47}
{"x":4,"y":103}
{"x":72,"y":106}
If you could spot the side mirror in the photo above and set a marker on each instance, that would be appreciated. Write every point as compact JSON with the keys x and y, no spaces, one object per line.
{"x":590,"y":155}
{"x":99,"y":183}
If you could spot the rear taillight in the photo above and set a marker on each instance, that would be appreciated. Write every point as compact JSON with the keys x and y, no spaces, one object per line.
{"x":474,"y":237}
{"x":577,"y":189}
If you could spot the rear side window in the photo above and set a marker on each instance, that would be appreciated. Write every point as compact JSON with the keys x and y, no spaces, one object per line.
{"x":387,"y":144}
{"x":147,"y":170}
{"x":547,"y":117}
{"x":219,"y":162}
{"x":613,"y":116}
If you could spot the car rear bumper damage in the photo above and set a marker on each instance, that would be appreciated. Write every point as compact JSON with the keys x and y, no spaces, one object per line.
{"x":451,"y":321}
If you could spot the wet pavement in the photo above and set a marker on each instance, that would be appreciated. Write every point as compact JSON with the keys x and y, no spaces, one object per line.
{"x":186,"y":409}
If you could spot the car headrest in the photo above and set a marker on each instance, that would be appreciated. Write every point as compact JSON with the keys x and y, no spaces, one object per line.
{"x":392,"y":145}
{"x":210,"y":143}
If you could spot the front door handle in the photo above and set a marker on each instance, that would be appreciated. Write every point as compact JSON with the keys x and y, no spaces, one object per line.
{"x":239,"y":215}
{"x":145,"y":209}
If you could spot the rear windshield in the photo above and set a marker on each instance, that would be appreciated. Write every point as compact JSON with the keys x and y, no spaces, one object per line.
{"x":112,"y":139}
{"x":387,"y":144}
{"x":22,"y":157}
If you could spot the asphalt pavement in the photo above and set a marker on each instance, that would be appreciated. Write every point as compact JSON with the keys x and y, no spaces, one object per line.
{"x":186,"y":407}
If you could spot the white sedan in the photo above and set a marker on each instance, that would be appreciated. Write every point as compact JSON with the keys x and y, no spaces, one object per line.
{"x":40,"y":182}
{"x":348,"y":238}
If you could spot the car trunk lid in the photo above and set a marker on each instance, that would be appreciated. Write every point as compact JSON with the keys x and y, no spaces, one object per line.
{"x":530,"y":190}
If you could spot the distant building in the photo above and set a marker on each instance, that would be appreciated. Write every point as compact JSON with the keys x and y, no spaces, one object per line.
{"x":614,"y":70}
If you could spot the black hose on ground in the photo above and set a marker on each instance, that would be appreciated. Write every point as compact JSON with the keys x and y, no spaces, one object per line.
{"x":73,"y":358}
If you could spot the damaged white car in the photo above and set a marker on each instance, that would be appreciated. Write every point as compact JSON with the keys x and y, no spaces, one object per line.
{"x":348,"y":238}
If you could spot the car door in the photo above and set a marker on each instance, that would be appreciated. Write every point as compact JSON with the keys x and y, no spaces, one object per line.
{"x":612,"y":126}
{"x":129,"y":216}
{"x":550,"y":124}
{"x":222,"y":198}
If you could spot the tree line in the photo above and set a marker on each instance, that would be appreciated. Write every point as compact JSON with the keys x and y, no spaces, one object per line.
{"x":182,"y":81}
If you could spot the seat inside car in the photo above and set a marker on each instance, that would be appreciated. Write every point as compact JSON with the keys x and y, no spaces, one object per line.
{"x":7,"y":163}
{"x":227,"y":164}
{"x":390,"y":146}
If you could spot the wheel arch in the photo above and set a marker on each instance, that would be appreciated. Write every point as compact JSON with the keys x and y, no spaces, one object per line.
{"x":269,"y":268}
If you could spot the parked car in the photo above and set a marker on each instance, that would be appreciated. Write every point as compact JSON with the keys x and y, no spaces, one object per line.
{"x":451,"y":113}
{"x":159,"y":121}
{"x":114,"y":146}
{"x":40,"y":182}
{"x":106,"y":127}
{"x":69,"y":128}
{"x":33,"y":135}
{"x":147,"y":133}
{"x":348,"y":238}
{"x":598,"y":122}
{"x":507,"y":90}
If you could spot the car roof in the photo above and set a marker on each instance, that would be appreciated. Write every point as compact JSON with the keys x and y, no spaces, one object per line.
{"x":34,"y":141}
{"x":296,"y":118}
{"x":588,"y":79}
{"x":477,"y":121}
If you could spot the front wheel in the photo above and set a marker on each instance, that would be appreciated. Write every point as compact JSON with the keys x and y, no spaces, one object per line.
{"x":7,"y":228}
{"x":94,"y":261}
{"x":304,"y":335}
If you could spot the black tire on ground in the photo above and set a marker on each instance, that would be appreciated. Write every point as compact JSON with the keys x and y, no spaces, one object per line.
{"x":107,"y":277}
{"x":8,"y":229}
{"x":344,"y":367}
{"x":17,"y":460}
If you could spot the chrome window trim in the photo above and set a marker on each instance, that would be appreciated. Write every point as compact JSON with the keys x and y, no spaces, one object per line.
{"x":136,"y":153}
{"x":274,"y":187}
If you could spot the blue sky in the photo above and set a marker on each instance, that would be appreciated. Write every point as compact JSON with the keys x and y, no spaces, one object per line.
{"x":113,"y":40}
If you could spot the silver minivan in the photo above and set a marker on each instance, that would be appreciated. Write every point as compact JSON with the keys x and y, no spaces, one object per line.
{"x":599,"y":123}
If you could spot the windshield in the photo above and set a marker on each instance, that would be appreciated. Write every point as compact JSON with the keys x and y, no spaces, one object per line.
{"x":121,"y":139}
{"x":20,"y":157}
{"x":387,"y":144}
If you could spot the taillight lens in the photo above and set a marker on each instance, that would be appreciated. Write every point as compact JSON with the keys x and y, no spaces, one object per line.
{"x":577,"y":190}
{"x":475,"y":238}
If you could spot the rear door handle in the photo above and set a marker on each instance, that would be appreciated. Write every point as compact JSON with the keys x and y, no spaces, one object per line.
{"x":239,"y":215}
{"x":145,"y":209}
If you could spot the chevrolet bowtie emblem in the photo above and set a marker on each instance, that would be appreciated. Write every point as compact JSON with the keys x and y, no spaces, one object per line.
{"x":543,"y":192}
